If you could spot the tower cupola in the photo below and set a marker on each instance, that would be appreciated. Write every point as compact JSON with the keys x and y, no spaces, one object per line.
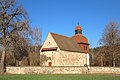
{"x":81,"y":40}
{"x":78,"y":30}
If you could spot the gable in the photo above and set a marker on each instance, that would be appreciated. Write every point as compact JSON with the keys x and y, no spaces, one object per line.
{"x":49,"y":44}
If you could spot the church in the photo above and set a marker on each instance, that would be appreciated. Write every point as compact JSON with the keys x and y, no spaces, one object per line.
{"x":66,"y":51}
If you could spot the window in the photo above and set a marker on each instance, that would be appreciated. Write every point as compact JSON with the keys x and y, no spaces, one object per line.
{"x":85,"y":47}
{"x":78,"y":31}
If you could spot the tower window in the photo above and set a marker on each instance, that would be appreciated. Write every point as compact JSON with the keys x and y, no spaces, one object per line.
{"x":85,"y":47}
{"x":78,"y":31}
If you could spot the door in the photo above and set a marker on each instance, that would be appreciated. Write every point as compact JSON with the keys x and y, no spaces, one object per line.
{"x":49,"y":63}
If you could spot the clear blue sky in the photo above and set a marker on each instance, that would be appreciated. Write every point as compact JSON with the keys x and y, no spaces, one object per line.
{"x":62,"y":16}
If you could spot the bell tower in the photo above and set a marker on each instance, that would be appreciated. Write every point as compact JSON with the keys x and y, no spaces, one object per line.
{"x":80,"y":39}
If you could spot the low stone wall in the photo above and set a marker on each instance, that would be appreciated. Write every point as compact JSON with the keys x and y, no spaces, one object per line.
{"x":46,"y":70}
{"x":114,"y":70}
{"x":62,"y":70}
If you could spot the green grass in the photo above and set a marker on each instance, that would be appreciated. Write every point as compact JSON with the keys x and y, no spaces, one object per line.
{"x":61,"y":77}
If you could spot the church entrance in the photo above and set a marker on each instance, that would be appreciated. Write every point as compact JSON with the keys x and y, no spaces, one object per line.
{"x":49,"y":63}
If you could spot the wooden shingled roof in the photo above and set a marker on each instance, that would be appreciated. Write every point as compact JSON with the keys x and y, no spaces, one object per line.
{"x":66,"y":43}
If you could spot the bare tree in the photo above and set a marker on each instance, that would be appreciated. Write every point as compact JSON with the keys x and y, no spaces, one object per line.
{"x":96,"y":56}
{"x":36,"y":36}
{"x":34,"y":55}
{"x":111,"y":42}
{"x":13,"y":18}
{"x":19,"y":48}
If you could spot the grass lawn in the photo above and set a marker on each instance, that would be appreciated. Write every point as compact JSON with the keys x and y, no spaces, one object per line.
{"x":61,"y":77}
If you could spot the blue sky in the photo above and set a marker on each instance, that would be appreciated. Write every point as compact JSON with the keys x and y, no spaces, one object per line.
{"x":62,"y":16}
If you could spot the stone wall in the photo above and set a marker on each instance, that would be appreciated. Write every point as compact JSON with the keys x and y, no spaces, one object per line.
{"x":62,"y":70}
{"x":114,"y":70}
{"x":65,"y":58}
{"x":46,"y":70}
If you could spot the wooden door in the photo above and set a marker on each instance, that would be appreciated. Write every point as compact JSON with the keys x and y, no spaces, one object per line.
{"x":49,"y":63}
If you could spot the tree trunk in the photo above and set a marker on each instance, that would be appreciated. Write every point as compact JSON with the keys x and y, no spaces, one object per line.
{"x":113,"y":58}
{"x":101,"y":57}
{"x":113,"y":62}
{"x":17,"y":62}
{"x":2,"y":65}
{"x":35,"y":49}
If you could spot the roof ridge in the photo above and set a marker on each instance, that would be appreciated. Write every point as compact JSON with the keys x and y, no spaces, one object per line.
{"x":60,"y":35}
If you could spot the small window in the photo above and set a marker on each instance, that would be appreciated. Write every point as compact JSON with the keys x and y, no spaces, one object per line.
{"x":85,"y":47}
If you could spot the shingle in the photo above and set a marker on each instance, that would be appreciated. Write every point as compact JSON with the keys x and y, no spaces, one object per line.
{"x":66,"y":43}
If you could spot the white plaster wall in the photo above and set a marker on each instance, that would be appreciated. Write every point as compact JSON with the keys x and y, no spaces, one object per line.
{"x":88,"y":59}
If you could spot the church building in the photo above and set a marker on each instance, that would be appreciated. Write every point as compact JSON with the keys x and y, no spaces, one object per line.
{"x":66,"y":51}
